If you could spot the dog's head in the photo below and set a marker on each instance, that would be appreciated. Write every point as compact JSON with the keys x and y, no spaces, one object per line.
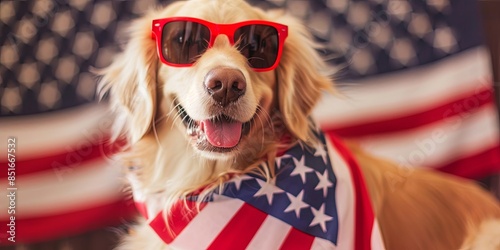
{"x":222,"y":72}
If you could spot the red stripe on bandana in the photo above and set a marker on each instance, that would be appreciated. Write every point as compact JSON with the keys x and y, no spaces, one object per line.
{"x":364,"y":212}
{"x":179,"y":217}
{"x":240,"y":230}
{"x":297,"y":239}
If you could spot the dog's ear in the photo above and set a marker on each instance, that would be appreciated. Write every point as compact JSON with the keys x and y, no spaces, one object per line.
{"x":302,"y":76}
{"x":131,"y":81}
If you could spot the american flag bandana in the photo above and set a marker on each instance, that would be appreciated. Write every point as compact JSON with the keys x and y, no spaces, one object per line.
{"x":316,"y":201}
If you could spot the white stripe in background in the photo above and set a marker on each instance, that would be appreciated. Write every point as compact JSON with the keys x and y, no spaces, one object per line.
{"x":213,"y":217}
{"x":344,"y":195}
{"x":439,"y":143}
{"x":39,"y":135}
{"x":406,"y":92}
{"x":65,"y":190}
{"x":270,"y":235}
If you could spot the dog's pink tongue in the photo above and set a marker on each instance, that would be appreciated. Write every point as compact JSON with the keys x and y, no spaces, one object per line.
{"x":222,"y":134}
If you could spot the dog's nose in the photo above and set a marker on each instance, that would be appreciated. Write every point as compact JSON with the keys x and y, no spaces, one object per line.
{"x":225,"y":85}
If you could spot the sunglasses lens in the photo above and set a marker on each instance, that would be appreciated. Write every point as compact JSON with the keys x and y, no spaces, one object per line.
{"x":184,"y":41}
{"x":259,"y":43}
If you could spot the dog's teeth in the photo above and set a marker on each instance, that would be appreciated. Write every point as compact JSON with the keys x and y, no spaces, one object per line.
{"x":192,"y":131}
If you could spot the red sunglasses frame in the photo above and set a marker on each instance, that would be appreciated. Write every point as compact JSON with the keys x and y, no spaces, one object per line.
{"x":216,"y":30}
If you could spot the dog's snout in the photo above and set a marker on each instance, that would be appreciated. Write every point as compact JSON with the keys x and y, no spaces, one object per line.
{"x":225,"y":85}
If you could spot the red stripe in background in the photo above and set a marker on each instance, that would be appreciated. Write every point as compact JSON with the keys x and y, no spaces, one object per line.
{"x":364,"y":213}
{"x":179,"y":217}
{"x":464,"y":104}
{"x":476,"y":166}
{"x":297,"y":240}
{"x":240,"y":230}
{"x":74,"y":155}
{"x":51,"y":227}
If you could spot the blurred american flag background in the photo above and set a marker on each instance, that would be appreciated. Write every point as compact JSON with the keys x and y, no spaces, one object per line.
{"x":415,"y":79}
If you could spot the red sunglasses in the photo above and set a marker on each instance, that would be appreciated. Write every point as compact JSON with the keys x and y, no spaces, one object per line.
{"x":182,"y":40}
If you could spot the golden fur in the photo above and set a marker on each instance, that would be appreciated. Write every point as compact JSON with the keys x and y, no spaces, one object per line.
{"x":416,"y":209}
{"x":423,"y":209}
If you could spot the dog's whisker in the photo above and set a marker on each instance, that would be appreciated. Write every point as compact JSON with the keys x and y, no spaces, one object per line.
{"x":177,"y":115}
{"x":160,"y":119}
{"x":263,"y":141}
{"x":157,"y":138}
{"x":267,"y":116}
{"x":175,"y":107}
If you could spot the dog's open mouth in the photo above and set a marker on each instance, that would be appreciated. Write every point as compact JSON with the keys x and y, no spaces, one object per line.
{"x":219,"y":134}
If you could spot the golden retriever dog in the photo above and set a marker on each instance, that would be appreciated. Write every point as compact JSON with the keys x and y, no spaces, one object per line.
{"x":210,"y":93}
